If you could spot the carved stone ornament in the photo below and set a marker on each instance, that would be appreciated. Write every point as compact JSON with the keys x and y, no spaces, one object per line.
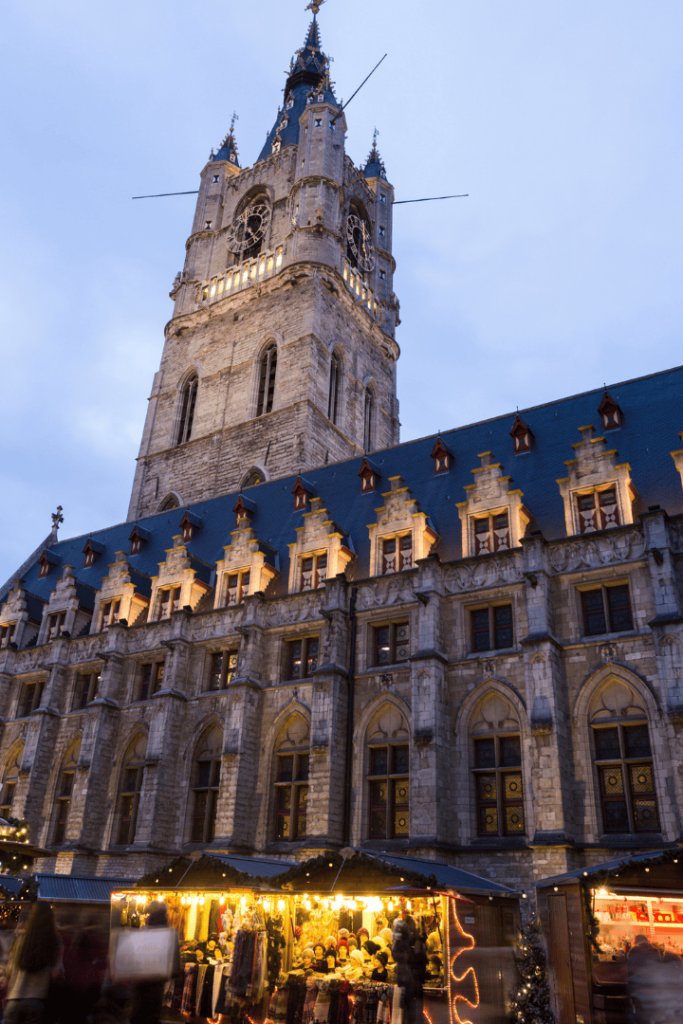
{"x":494,"y":712}
{"x":609,"y":651}
{"x":383,"y":593}
{"x":488,"y":667}
{"x":624,"y":547}
{"x":489,"y":573}
{"x":537,"y":658}
{"x":616,"y":699}
{"x":669,"y":640}
{"x":387,"y":724}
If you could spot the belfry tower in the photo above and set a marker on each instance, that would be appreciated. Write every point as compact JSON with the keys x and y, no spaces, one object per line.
{"x":280,"y":355}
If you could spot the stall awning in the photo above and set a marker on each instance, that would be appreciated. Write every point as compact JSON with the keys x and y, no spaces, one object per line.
{"x":76,"y":888}
{"x":672,"y":855}
{"x":257,"y":867}
{"x":447,"y":876}
{"x":10,"y":885}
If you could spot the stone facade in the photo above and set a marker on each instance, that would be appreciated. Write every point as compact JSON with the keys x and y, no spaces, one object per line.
{"x":438,"y":602}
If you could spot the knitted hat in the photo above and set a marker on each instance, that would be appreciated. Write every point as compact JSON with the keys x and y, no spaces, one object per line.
{"x":371,"y":947}
{"x":357,"y":956}
{"x":383,"y":957}
{"x":343,"y":944}
{"x":344,"y":933}
{"x":386,"y":935}
{"x":308,"y":953}
{"x":353,"y":942}
{"x":361,"y":934}
{"x":331,"y":941}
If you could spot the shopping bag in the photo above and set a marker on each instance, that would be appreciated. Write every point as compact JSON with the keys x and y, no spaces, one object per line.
{"x":145,"y":954}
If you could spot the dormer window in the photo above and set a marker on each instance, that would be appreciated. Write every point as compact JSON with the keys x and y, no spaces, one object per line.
{"x":89,"y":558}
{"x":301,"y":494}
{"x":397,"y":553}
{"x":7,"y":634}
{"x":46,"y":562}
{"x":610,"y":412}
{"x":491,"y":533}
{"x":313,"y":571}
{"x":289,"y":104}
{"x":598,"y":510}
{"x":137,"y":537}
{"x":236,"y":587}
{"x":189,"y":524}
{"x":442,"y":457}
{"x":110,"y":613}
{"x":55,"y":625}
{"x":368,"y":477}
{"x":169,"y":602}
{"x":521,"y":436}
{"x":91,"y":551}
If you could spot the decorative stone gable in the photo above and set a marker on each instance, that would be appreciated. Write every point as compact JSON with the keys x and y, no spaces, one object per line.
{"x":678,"y":458}
{"x":597,"y":493}
{"x":388,"y":725}
{"x":246,"y":568}
{"x":16,"y":619}
{"x":119,"y":586}
{"x":493,"y":517}
{"x":493,"y":714}
{"x":400,"y":517}
{"x":177,"y":577}
{"x":614,"y":701}
{"x":321,"y":550}
{"x":64,"y":600}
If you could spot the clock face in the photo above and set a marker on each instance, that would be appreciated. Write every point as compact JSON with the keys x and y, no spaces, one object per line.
{"x":249,"y":228}
{"x":360,"y":242}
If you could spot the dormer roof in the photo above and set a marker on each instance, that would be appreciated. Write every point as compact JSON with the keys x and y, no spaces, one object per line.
{"x":228,"y":149}
{"x":374,"y":165}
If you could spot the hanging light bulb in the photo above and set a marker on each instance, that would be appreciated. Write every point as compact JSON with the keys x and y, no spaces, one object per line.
{"x":281,"y":904}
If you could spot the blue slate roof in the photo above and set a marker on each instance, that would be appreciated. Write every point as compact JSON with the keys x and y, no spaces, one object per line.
{"x":652,"y":409}
{"x":74,"y":887}
{"x":308,"y":74}
{"x":228,"y":149}
{"x":374,"y":165}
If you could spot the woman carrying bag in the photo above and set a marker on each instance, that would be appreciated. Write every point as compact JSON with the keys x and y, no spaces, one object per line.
{"x":31,"y":963}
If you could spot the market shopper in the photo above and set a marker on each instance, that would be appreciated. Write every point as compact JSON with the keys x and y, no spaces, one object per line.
{"x":30,"y":968}
{"x":655,"y":983}
{"x":147,"y":996}
{"x":84,"y":962}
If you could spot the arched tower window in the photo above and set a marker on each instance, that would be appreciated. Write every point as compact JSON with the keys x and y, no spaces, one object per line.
{"x":497,"y":768}
{"x":388,"y":779}
{"x":291,"y":778}
{"x":187,"y":409}
{"x":129,"y":793}
{"x":368,"y":420}
{"x":65,"y":786}
{"x":205,"y":788}
{"x":333,"y":400}
{"x":266,"y":386}
{"x":10,"y":781}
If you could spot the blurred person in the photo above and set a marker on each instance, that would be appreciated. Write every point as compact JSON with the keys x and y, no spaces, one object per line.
{"x":84,"y":963}
{"x":32,"y":961}
{"x":147,"y":996}
{"x":655,"y":983}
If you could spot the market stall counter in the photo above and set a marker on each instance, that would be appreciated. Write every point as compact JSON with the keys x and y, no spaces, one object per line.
{"x":615,"y":938}
{"x":345,"y":938}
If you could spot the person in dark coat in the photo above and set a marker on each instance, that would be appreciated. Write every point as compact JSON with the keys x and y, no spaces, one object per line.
{"x":643,"y":963}
{"x":147,"y":996}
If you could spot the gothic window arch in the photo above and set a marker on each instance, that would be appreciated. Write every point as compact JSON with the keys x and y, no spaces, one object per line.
{"x":206,"y":775}
{"x":10,"y":781}
{"x":266,"y":381}
{"x":333,"y":398}
{"x":387,"y":759}
{"x":254,"y":477}
{"x":369,"y":416}
{"x":623,"y":765}
{"x":130,"y":787}
{"x":64,"y":793}
{"x":292,"y":755}
{"x":170,"y":502}
{"x":188,"y":404}
{"x":496,"y":767}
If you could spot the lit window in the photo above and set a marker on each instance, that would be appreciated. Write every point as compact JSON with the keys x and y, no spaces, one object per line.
{"x":187,"y":407}
{"x":391,"y":643}
{"x":151,"y":679}
{"x":389,"y":784}
{"x":169,"y":602}
{"x":291,"y":796}
{"x":491,"y":533}
{"x":606,"y":610}
{"x":110,"y":613}
{"x":236,"y":587}
{"x":29,"y":698}
{"x":266,"y":389}
{"x":205,"y":790}
{"x":222,"y":668}
{"x":302,"y":657}
{"x":7,"y":634}
{"x":397,"y":553}
{"x":492,"y":628}
{"x":623,"y":762}
{"x":55,"y":625}
{"x":598,"y":510}
{"x":313,"y":571}
{"x":500,"y":808}
{"x":85,"y":689}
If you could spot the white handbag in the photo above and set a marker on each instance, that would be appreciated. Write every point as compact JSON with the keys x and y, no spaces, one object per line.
{"x":144,"y":954}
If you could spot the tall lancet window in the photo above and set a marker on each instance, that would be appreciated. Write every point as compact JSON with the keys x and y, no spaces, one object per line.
{"x":334,"y":389}
{"x":187,"y":409}
{"x":368,"y":420}
{"x":266,"y":387}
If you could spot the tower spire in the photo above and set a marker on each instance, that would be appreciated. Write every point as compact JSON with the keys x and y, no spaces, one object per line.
{"x":374,"y":165}
{"x":228,"y":147}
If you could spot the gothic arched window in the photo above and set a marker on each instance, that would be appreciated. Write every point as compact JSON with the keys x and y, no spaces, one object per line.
{"x":291,"y":778}
{"x":623,"y":761}
{"x":10,"y":780}
{"x":368,"y":420}
{"x":333,"y":400}
{"x":205,"y":786}
{"x":63,"y":794}
{"x":388,"y":778}
{"x":187,"y":408}
{"x":497,"y":768}
{"x":130,"y":788}
{"x":266,"y":385}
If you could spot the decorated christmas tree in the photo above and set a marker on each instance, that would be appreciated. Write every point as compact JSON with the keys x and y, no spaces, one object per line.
{"x":530,"y":1001}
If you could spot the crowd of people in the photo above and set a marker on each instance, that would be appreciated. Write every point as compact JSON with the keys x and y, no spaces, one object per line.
{"x":655,"y":983}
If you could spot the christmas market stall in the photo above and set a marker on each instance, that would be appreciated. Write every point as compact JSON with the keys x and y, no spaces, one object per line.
{"x":591,"y":919}
{"x":344,"y":938}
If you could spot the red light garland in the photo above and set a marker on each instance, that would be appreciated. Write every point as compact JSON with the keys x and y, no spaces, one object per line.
{"x":456,"y":997}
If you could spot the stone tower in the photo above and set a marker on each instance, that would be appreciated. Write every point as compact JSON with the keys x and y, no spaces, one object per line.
{"x":280,"y":355}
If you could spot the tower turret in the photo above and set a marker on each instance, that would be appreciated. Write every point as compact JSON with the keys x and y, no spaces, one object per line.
{"x":280,"y":355}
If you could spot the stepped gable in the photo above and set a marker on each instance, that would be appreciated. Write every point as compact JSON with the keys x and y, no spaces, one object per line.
{"x":655,"y":412}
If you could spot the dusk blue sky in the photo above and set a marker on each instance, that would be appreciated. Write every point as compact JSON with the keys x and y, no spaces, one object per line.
{"x":561,"y":271}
